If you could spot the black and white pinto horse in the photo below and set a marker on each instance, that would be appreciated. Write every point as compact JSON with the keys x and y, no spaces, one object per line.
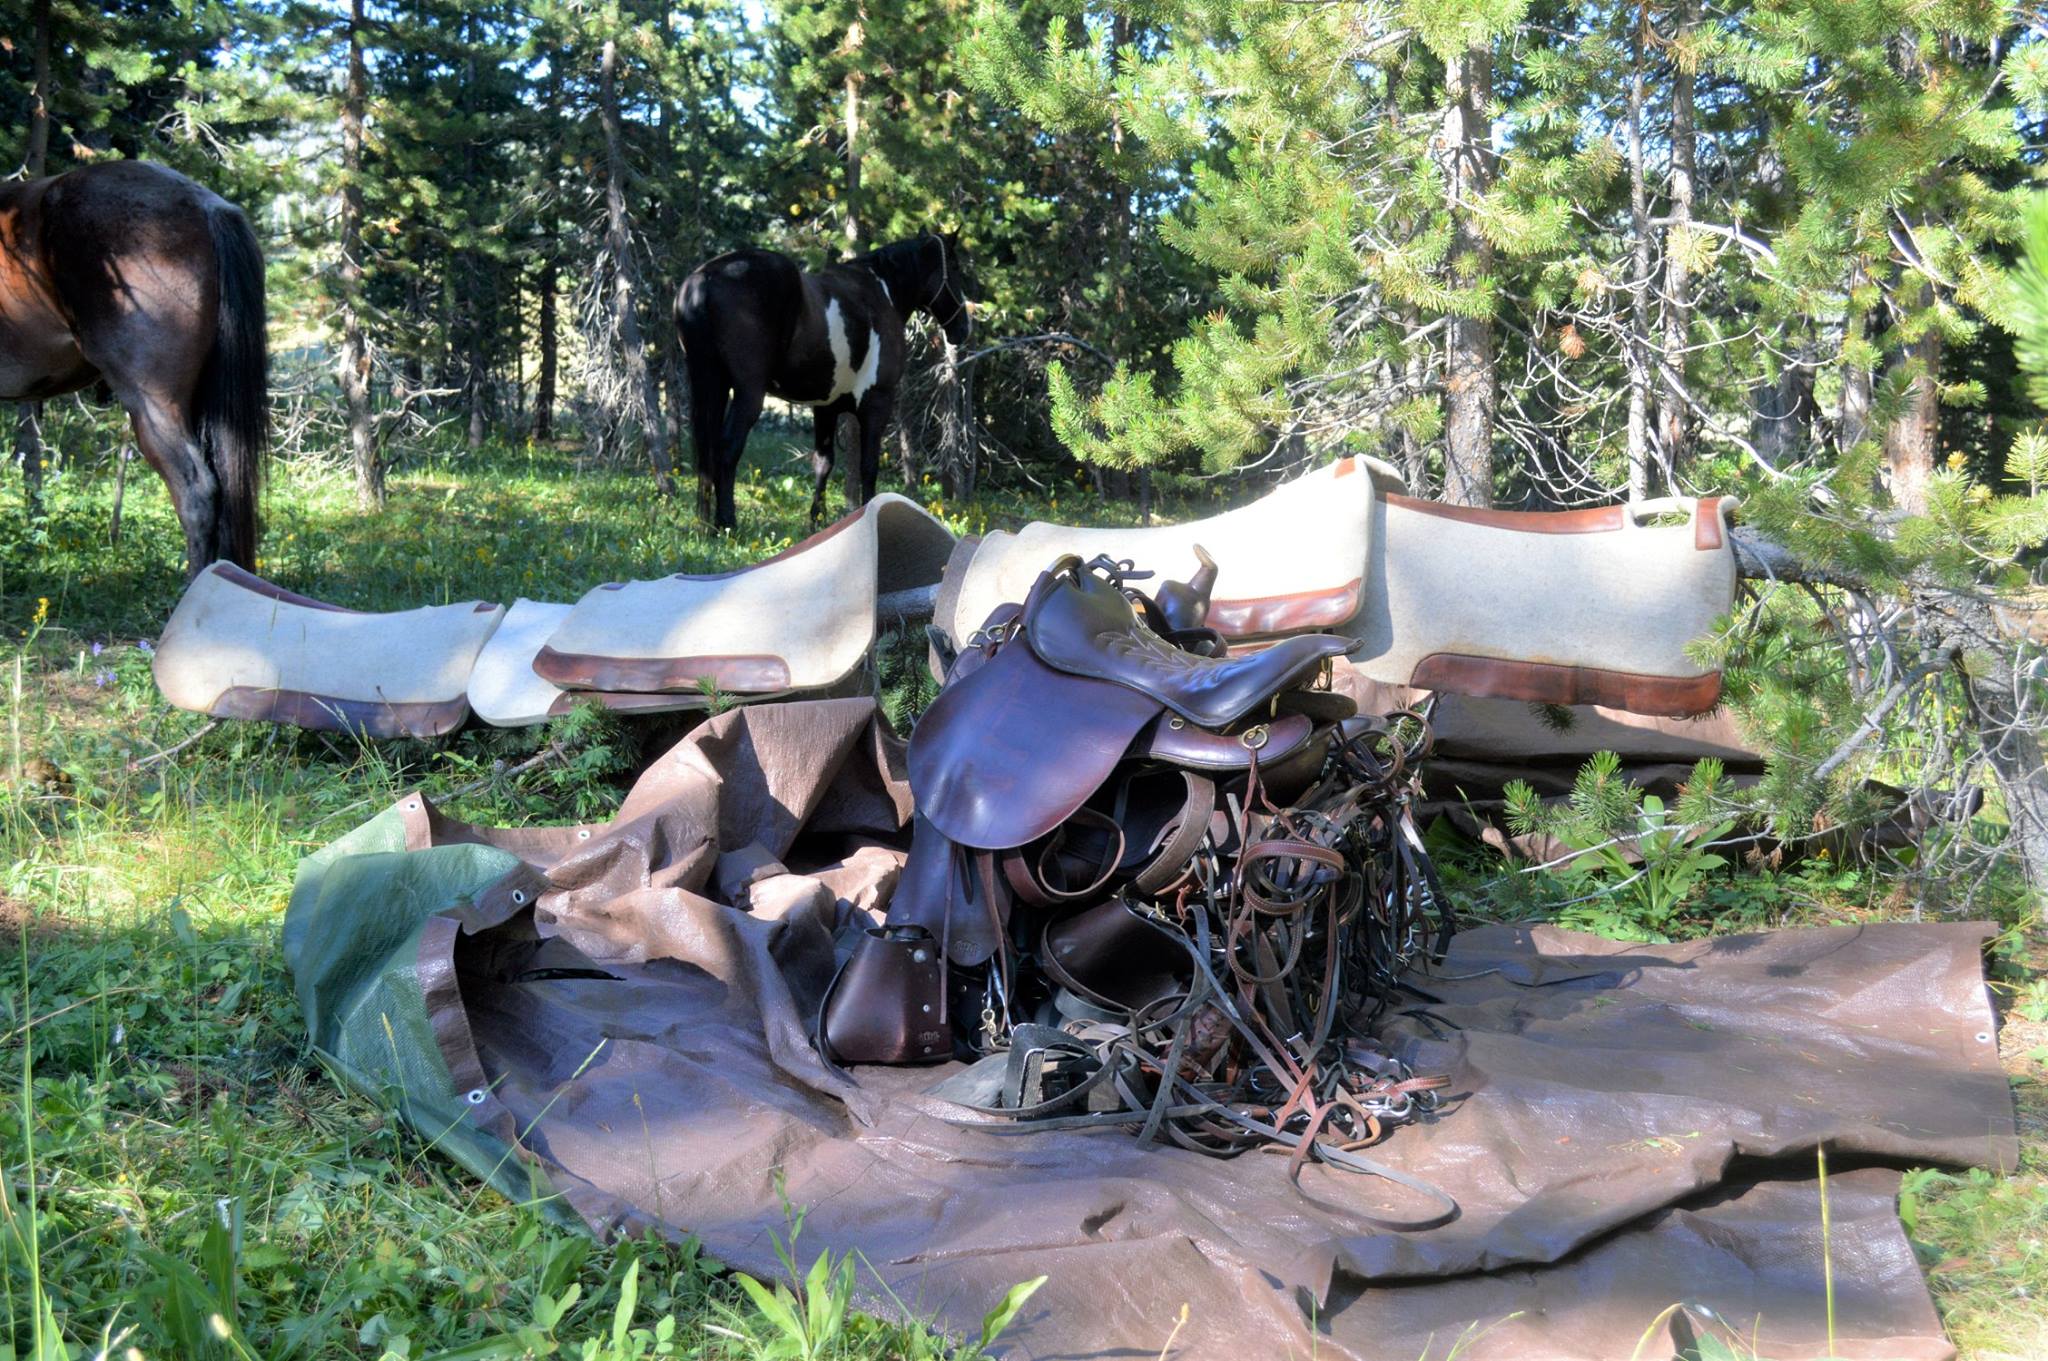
{"x":754,"y":324}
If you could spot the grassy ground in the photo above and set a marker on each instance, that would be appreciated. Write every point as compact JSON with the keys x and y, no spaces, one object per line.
{"x":182,"y":1177}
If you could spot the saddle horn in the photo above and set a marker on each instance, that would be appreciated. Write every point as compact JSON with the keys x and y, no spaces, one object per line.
{"x":1185,"y":605}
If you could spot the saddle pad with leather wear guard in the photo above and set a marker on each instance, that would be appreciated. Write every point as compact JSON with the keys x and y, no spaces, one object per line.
{"x":505,"y":693}
{"x":1553,"y":607}
{"x":1292,"y":561}
{"x":239,"y":647}
{"x":802,"y":620}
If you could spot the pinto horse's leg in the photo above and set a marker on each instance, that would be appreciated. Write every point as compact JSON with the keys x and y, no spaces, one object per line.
{"x":739,"y":423}
{"x":825,"y":440}
{"x":875,"y":410}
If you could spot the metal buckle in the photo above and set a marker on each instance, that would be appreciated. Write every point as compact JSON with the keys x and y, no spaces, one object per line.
{"x":1255,"y":737}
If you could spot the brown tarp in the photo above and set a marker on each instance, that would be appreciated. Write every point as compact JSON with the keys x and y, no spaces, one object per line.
{"x":1630,"y":1127}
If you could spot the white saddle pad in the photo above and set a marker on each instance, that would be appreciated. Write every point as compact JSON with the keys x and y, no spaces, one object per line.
{"x":802,"y":620}
{"x":239,"y":647}
{"x":503,"y":690}
{"x":1563,"y":607}
{"x":505,"y":693}
{"x":1292,"y":561}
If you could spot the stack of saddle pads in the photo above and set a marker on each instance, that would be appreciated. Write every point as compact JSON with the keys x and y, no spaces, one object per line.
{"x":799,"y":623}
{"x":1572,"y":607}
{"x":1554,"y":607}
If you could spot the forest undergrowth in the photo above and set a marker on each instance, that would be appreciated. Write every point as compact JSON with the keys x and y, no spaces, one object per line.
{"x":181,"y":1175}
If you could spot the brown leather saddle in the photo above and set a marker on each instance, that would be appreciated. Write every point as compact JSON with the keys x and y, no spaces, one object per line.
{"x":1153,"y":884}
{"x":1082,"y":745}
{"x":1012,"y":747}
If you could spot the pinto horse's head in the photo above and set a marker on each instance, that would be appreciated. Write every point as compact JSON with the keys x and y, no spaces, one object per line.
{"x":928,"y":274}
{"x":949,"y":294}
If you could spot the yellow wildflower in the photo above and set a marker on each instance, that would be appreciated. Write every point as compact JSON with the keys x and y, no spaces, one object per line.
{"x":42,"y":611}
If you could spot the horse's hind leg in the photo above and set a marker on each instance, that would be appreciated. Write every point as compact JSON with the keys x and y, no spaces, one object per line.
{"x":164,"y":434}
{"x":875,"y":410}
{"x":739,"y":423}
{"x":709,"y":397}
{"x":824,"y":452}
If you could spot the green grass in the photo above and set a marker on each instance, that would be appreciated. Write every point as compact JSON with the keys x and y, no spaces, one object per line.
{"x":188,"y":1156}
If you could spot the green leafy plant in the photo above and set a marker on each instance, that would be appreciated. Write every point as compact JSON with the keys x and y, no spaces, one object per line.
{"x":903,"y":676}
{"x":804,"y":1322}
{"x":1635,"y":862}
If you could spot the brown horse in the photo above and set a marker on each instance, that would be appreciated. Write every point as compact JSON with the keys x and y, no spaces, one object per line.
{"x":130,"y":274}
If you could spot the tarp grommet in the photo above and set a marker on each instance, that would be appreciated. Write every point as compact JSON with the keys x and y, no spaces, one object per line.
{"x":475,"y":1096}
{"x":519,"y":897}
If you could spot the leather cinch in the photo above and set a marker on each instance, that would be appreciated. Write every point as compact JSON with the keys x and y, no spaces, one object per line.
{"x":1154,"y":883}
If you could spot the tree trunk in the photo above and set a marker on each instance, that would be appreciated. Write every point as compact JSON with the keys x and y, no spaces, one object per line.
{"x":38,"y":156}
{"x":28,"y":446}
{"x":516,"y":277}
{"x":855,"y":35}
{"x":1119,"y":216}
{"x":1910,"y":440}
{"x":853,"y":161}
{"x":1471,"y":385}
{"x":2005,"y":707}
{"x":1674,"y":425}
{"x":1640,"y":280}
{"x":548,"y":286}
{"x":355,"y":351}
{"x":906,"y":455}
{"x":544,"y":381}
{"x":476,"y":374}
{"x":1852,"y":410}
{"x":1408,"y":451}
{"x":28,"y":425}
{"x":625,"y":274}
{"x":674,"y":377}
{"x":1781,"y":411}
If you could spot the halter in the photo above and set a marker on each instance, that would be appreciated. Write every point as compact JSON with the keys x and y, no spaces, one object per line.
{"x":945,"y":277}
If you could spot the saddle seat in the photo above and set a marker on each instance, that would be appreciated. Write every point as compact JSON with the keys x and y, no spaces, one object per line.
{"x":1033,"y":722}
{"x":1087,"y":628}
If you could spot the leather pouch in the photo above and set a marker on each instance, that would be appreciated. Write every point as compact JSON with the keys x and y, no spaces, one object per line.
{"x":888,"y":1004}
{"x":1115,"y":957}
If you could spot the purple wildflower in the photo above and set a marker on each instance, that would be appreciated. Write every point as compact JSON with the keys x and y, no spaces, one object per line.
{"x":148,"y":648}
{"x":98,"y":647}
{"x":100,"y":679}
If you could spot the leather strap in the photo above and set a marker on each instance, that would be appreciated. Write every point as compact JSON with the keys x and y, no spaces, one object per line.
{"x":1171,"y":859}
{"x":1028,"y":872}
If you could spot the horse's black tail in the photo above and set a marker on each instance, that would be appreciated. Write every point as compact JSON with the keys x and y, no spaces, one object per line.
{"x":708,"y":387}
{"x":231,"y":412}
